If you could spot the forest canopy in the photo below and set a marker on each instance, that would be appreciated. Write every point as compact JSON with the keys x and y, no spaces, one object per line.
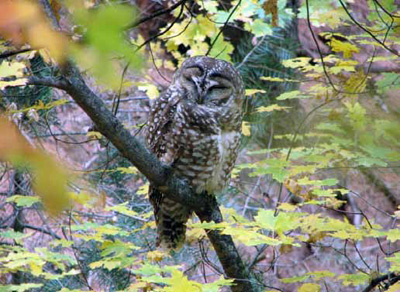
{"x":313,"y":201}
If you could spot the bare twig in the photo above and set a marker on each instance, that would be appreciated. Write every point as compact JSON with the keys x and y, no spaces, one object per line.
{"x":367,"y":31}
{"x":42,"y":230}
{"x":156,"y":14}
{"x":164,"y":31}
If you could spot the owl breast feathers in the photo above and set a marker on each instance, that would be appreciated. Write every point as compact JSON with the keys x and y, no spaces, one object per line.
{"x":194,"y":126}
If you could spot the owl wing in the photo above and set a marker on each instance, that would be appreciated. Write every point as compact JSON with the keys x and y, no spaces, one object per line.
{"x":159,"y":123}
{"x":170,"y":216}
{"x":159,"y":129}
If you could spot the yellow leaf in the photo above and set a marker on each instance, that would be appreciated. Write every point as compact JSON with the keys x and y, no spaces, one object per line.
{"x":287,"y":207}
{"x":309,"y":287}
{"x":150,"y":89}
{"x":297,"y":62}
{"x":107,"y":264}
{"x":246,"y":129}
{"x":143,"y":190}
{"x":127,"y":170}
{"x":394,"y":288}
{"x":356,"y":83}
{"x":13,"y":70}
{"x":156,"y":255}
{"x":35,"y":269}
{"x":273,"y":107}
{"x":254,"y":91}
{"x":140,"y":286}
{"x":81,"y":198}
{"x":94,"y":134}
{"x":291,"y":95}
{"x":277,"y":79}
{"x":194,"y":234}
{"x":18,"y":82}
{"x":343,"y":47}
{"x":181,"y":283}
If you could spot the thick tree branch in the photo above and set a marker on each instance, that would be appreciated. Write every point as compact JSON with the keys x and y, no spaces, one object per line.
{"x":392,"y":278}
{"x":161,"y":176}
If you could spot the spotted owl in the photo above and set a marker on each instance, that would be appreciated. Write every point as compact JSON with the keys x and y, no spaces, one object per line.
{"x":194,"y":127}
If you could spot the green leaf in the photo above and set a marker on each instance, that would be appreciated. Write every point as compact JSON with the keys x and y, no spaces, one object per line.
{"x":368,"y":162}
{"x":117,"y":248}
{"x":354,"y":279}
{"x":393,"y":235}
{"x":105,"y":42}
{"x":325,"y":182}
{"x":20,"y":288}
{"x":281,"y":223}
{"x":292,"y":95}
{"x":309,"y":287}
{"x":395,"y":262}
{"x":273,"y":107}
{"x":11,"y":234}
{"x":295,"y":279}
{"x":23,"y":201}
{"x":258,"y":27}
{"x":217,"y":285}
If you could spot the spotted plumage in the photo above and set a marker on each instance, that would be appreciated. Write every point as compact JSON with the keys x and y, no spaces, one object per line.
{"x":194,"y":126}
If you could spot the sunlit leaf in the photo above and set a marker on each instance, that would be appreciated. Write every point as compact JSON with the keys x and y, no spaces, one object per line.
{"x":246,"y":129}
{"x":354,"y":279}
{"x":309,"y":287}
{"x":273,"y":107}
{"x":277,"y":79}
{"x":291,"y":95}
{"x":10,"y":70}
{"x":254,"y":91}
{"x":23,"y":201}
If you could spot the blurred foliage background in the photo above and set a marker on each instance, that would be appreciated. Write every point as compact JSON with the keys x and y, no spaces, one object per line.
{"x":313,"y":200}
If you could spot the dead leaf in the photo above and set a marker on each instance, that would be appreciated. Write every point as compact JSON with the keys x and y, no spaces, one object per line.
{"x":271,"y":7}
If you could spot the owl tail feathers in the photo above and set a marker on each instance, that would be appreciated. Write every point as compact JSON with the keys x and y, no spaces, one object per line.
{"x":171,"y":225}
{"x":171,"y":233}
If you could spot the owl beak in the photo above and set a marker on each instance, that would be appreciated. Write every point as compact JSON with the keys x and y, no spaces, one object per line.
{"x":201,"y":96}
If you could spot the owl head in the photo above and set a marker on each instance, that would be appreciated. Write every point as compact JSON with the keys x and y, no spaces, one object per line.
{"x":210,"y":82}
